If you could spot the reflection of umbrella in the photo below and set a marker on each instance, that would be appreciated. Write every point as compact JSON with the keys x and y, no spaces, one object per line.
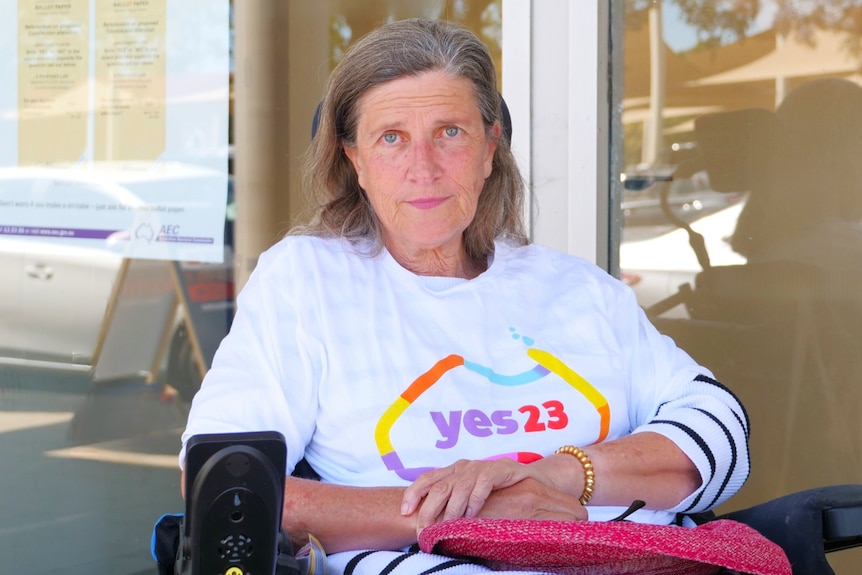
{"x":791,"y":58}
{"x":682,"y":69}
{"x":750,"y":73}
{"x":680,"y":100}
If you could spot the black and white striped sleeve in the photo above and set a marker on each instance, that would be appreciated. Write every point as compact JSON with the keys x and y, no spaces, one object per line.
{"x":672,"y":395}
{"x":669,"y":393}
{"x":708,"y":422}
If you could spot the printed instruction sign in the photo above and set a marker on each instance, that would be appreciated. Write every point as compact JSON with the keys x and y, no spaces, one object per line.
{"x":114,"y":125}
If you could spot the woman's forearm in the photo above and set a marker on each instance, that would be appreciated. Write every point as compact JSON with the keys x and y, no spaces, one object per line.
{"x":345,"y":518}
{"x":645,"y":466}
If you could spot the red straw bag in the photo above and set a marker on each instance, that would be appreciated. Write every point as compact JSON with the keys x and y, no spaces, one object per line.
{"x":607,"y":548}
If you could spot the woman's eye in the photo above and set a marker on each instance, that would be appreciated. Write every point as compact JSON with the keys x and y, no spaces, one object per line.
{"x":452,"y":131}
{"x":390,"y":138}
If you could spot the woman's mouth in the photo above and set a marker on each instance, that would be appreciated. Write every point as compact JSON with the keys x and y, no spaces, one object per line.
{"x":426,"y":203}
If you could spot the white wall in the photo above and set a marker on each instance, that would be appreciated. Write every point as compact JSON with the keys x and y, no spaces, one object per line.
{"x":554,"y":69}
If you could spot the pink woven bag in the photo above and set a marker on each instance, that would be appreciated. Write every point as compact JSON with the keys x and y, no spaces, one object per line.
{"x":607,"y":548}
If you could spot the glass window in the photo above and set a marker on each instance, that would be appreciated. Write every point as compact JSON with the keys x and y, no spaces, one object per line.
{"x":90,"y":456}
{"x":742,"y":215}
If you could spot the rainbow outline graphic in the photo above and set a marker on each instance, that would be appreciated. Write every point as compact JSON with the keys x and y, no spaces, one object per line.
{"x":545,"y":363}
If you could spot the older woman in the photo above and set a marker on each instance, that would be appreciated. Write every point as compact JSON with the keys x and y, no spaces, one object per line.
{"x":425,"y":359}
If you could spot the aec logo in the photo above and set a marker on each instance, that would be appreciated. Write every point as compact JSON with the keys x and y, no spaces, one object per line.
{"x":170,"y":230}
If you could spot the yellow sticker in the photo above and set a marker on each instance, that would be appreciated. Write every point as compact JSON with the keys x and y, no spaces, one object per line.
{"x":53,"y":76}
{"x":130,"y":71}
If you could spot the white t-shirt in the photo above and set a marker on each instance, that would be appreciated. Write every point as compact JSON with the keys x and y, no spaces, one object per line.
{"x":374,"y":374}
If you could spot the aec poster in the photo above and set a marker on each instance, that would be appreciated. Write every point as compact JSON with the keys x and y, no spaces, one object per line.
{"x":114,"y":125}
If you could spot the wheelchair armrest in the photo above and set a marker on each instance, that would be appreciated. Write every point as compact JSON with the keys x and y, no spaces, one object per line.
{"x":808,"y":524}
{"x":842,"y":528}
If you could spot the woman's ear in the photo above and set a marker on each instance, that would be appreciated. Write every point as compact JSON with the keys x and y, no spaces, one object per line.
{"x":350,"y":152}
{"x":353,"y":156}
{"x":496,"y":129}
{"x":497,"y":133}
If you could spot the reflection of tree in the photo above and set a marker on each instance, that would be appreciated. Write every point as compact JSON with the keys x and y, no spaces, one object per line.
{"x":715,"y":21}
{"x":805,"y":18}
{"x":350,"y":19}
{"x":720,"y":21}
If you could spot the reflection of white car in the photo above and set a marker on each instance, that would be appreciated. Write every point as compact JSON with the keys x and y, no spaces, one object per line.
{"x":687,"y":205}
{"x":52,"y":299}
{"x":655,"y":267}
{"x":54,"y":293}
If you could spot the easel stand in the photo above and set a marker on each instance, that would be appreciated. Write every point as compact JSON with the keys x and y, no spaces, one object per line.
{"x":149,"y":300}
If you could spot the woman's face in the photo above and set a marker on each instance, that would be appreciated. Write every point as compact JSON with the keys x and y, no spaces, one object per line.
{"x":422,"y":156}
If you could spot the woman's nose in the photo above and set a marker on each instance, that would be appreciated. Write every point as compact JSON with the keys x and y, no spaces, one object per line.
{"x":423,"y":160}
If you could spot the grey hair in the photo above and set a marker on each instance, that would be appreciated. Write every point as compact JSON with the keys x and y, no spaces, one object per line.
{"x":401,"y":49}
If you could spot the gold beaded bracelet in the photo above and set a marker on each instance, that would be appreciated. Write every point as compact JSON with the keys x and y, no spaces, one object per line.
{"x":589,"y":474}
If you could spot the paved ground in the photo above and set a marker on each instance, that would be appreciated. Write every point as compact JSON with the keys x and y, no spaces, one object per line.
{"x":85,"y":471}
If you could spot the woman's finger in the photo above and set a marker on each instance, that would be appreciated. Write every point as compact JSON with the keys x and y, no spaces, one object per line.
{"x":459,"y":489}
{"x":530,"y":499}
{"x":419,"y":489}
